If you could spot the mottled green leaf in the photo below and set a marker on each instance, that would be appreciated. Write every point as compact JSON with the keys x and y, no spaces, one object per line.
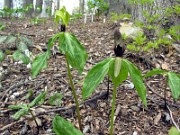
{"x":95,"y":76}
{"x":52,"y":40}
{"x":136,"y":77}
{"x":55,"y":99}
{"x":64,"y":127}
{"x":3,"y":38}
{"x":26,"y":40}
{"x":75,"y":51}
{"x":2,"y":55}
{"x":10,"y":39}
{"x":22,"y":46}
{"x":19,"y":56}
{"x":154,"y":72}
{"x":39,"y":63}
{"x":174,"y":84}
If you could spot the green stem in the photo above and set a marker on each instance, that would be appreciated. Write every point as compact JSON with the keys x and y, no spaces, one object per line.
{"x":74,"y":94}
{"x":112,"y":110}
{"x":165,"y":93}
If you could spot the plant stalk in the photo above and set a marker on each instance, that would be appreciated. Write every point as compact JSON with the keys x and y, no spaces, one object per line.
{"x":165,"y":93}
{"x":34,"y":118}
{"x":112,"y":110}
{"x":74,"y":93}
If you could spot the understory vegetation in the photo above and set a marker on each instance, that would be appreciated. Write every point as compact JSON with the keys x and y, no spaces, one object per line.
{"x":61,"y":75}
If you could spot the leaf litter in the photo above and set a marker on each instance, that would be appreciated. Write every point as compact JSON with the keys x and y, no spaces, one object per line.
{"x":97,"y":37}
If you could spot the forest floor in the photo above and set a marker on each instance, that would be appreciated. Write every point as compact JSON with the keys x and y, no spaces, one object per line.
{"x":97,"y":37}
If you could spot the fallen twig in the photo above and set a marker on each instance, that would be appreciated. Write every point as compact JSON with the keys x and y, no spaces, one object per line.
{"x":174,"y":123}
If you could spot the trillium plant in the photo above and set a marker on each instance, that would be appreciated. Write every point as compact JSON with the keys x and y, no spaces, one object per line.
{"x":173,"y":81}
{"x":75,"y":55}
{"x":24,"y":109}
{"x":117,"y":69}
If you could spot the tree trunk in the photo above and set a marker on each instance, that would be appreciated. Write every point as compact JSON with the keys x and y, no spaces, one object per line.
{"x":38,"y":7}
{"x":49,"y":6}
{"x":58,"y":4}
{"x":81,"y":6}
{"x":30,"y":12}
{"x":137,"y":9}
{"x":120,"y":6}
{"x":8,"y":3}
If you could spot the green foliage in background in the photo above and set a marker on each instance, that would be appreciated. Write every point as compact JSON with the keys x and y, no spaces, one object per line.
{"x":37,"y":21}
{"x":115,"y":17}
{"x":100,"y":6}
{"x":140,"y":1}
{"x":174,"y":31}
{"x":48,"y":11}
{"x":62,"y":16}
{"x":15,"y":12}
{"x":75,"y":17}
{"x":153,"y":22}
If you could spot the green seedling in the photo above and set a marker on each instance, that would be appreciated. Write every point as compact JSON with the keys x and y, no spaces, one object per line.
{"x":138,"y":43}
{"x":75,"y":17}
{"x":173,"y":81}
{"x":24,"y":109}
{"x":6,"y":12}
{"x":69,"y":45}
{"x":173,"y":31}
{"x":37,"y":21}
{"x":55,"y":99}
{"x":153,"y":22}
{"x":117,"y":69}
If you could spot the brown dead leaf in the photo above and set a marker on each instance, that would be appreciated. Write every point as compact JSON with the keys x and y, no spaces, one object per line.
{"x":157,"y":118}
{"x":32,"y":123}
{"x":165,"y":66}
